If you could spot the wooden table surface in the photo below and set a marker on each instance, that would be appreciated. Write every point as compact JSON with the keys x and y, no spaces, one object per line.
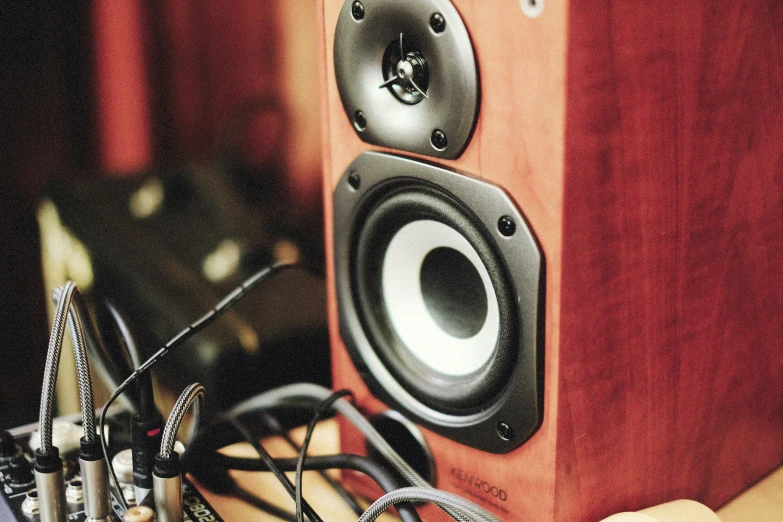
{"x":316,"y":490}
{"x":761,"y":503}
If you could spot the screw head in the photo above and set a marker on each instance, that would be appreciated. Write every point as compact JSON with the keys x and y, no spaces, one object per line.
{"x":438,"y":23}
{"x":359,"y":121}
{"x":506,"y":226}
{"x":438,"y":139}
{"x":354,"y":180}
{"x":505,"y":431}
{"x":357,"y":10}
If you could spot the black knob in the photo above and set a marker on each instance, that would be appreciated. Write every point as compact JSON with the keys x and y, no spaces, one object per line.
{"x":8,"y":447}
{"x":20,"y":471}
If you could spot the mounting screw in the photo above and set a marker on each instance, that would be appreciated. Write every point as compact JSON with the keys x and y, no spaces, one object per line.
{"x":438,"y":139}
{"x":505,"y":431}
{"x":506,"y":226}
{"x":357,"y":11}
{"x":354,"y":181}
{"x":359,"y":121}
{"x":438,"y":23}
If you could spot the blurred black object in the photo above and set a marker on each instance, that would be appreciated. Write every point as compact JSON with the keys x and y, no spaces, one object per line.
{"x":168,"y":245}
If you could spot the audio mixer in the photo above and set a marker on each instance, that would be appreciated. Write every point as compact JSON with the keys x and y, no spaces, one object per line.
{"x":19,"y":499}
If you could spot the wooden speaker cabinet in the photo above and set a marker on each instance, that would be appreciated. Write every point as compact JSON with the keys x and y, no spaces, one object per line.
{"x":642,"y":141}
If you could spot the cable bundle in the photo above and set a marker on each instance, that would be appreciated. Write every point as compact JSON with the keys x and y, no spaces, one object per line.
{"x":169,"y":467}
{"x":48,"y":464}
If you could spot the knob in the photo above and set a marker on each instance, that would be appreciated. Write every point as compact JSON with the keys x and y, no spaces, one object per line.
{"x":8,"y":447}
{"x":20,"y":472}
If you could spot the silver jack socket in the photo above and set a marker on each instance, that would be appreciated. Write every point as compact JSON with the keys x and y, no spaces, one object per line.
{"x":30,"y":503}
{"x":74,"y":493}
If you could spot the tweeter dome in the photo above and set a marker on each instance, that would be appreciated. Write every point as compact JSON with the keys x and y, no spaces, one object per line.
{"x":406,"y":75}
{"x":439,"y":288}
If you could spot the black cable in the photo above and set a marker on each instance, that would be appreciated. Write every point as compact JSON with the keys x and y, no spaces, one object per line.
{"x":123,"y":326}
{"x":147,"y":424}
{"x":270,"y":463}
{"x":360,"y":463}
{"x":195,"y":327}
{"x":273,"y":425}
{"x":144,"y":390}
{"x":322,"y":408}
{"x":99,"y":352}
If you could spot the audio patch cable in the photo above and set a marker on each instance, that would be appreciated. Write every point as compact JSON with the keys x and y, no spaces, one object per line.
{"x":271,"y":422}
{"x":167,"y":475}
{"x":307,"y":394}
{"x":48,"y":464}
{"x":176,"y":341}
{"x":167,"y":471}
{"x":320,"y":410}
{"x":205,"y":462}
{"x":269,"y":462}
{"x":459,"y":508}
{"x":147,"y":423}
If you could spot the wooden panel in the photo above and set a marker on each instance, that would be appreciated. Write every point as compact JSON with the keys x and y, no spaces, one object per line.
{"x":671,"y":336}
{"x":528,"y":163}
{"x":642,"y":142}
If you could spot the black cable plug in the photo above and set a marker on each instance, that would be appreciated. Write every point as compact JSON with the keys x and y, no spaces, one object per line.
{"x":50,"y":485}
{"x":147,"y":425}
{"x":95,"y":480}
{"x":146,"y":434}
{"x":167,"y":488}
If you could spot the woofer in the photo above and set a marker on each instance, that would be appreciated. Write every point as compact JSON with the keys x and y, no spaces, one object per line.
{"x":438,"y":305}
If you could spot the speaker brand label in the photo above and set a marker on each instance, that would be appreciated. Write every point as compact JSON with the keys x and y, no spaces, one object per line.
{"x":479,"y":488}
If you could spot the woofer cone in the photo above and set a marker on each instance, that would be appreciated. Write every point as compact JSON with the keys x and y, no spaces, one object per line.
{"x":434,"y":297}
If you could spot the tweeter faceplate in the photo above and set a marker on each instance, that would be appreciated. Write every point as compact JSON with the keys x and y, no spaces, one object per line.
{"x":407,"y":75}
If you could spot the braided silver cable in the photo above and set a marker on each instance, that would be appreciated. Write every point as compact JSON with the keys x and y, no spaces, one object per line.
{"x":76,"y":327}
{"x":446,"y":500}
{"x":185,"y":400}
{"x":63,"y":297}
{"x":78,"y":339}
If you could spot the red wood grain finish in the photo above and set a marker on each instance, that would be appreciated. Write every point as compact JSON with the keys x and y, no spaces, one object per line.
{"x":671,"y":330}
{"x":644,"y":143}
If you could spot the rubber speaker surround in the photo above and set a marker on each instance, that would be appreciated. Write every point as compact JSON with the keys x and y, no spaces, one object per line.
{"x":381,"y":218}
{"x":497,"y":406}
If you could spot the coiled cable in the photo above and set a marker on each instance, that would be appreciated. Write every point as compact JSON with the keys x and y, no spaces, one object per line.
{"x":189,"y":331}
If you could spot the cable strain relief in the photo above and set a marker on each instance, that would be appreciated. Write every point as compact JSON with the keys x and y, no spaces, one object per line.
{"x":167,"y":467}
{"x":49,"y":462}
{"x":90,"y":449}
